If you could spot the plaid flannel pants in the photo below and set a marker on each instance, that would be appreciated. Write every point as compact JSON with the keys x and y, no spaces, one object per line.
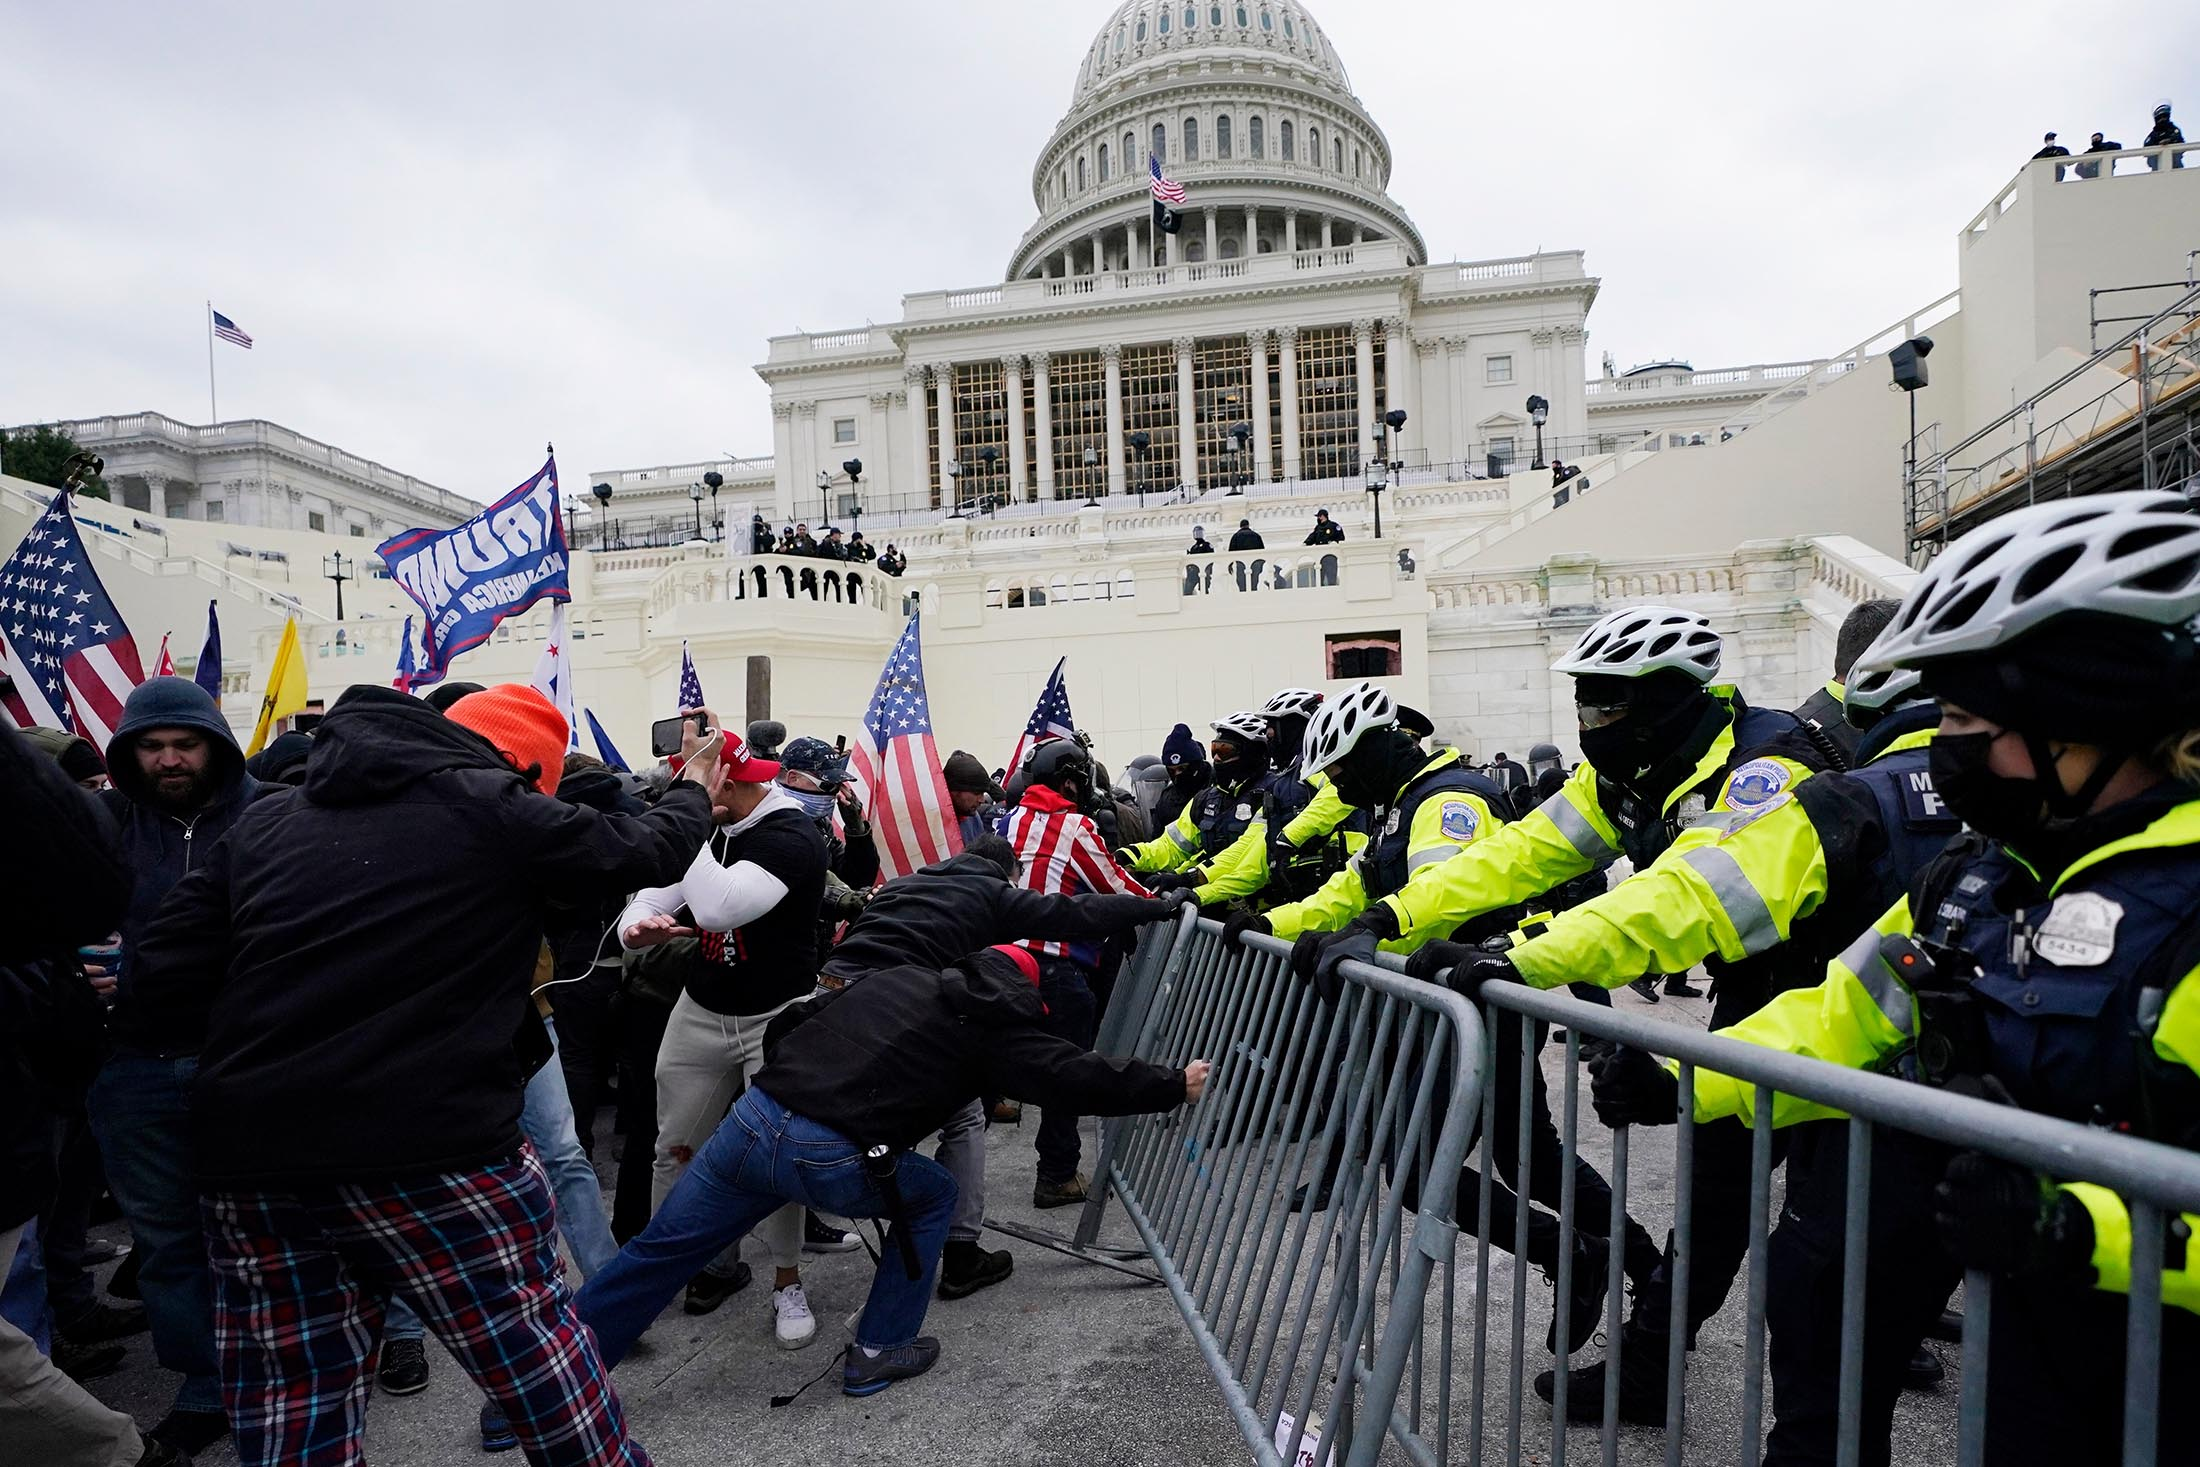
{"x":302,"y":1277}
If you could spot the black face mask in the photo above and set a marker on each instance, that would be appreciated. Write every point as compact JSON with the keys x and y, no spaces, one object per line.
{"x":1994,"y":805}
{"x":1648,"y":736}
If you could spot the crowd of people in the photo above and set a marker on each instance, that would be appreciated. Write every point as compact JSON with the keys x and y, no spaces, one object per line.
{"x":339,"y":1031}
{"x":796,"y":539}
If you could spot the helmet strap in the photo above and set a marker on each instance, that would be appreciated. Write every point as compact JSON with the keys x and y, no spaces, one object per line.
{"x":2075,"y":804}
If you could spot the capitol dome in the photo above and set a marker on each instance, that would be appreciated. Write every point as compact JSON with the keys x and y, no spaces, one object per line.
{"x":1247,"y":105}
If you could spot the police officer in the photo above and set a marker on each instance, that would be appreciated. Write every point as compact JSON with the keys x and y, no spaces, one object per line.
{"x":2046,"y":957}
{"x":1824,"y":856}
{"x":1823,"y":712}
{"x":1669,"y":751}
{"x":1303,"y":832}
{"x":1211,"y":821}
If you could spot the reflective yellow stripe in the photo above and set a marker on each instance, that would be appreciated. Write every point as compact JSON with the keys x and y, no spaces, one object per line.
{"x":1432,"y":855}
{"x":1863,"y":960}
{"x":1182,"y":843}
{"x":1588,"y":842}
{"x":1744,"y":904}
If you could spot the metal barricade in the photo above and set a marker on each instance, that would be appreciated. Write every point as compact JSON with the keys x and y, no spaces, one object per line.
{"x":2156,"y":1181}
{"x":1277,"y":1208}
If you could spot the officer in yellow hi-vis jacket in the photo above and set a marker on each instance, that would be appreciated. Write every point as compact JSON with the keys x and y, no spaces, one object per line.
{"x":2050,"y":958}
{"x":1214,"y":819}
{"x":1301,"y":831}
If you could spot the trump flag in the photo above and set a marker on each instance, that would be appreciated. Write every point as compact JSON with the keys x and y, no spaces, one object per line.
{"x":495,"y":565}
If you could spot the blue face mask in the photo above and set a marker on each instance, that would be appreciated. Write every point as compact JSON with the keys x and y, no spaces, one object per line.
{"x":818,"y":804}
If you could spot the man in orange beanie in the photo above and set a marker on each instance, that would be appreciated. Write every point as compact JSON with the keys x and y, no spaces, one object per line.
{"x":357,"y":955}
{"x":521,"y":724}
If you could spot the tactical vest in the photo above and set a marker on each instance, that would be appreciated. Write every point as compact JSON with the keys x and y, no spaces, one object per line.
{"x":1384,"y":862}
{"x":1867,"y":870}
{"x":1295,"y":873}
{"x":2057,"y":996}
{"x":1221,"y":816}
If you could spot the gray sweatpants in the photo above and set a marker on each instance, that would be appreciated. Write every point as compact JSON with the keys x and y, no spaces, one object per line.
{"x":47,"y":1418}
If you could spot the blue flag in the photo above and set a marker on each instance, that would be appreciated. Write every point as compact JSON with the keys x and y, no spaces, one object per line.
{"x":403,"y":682}
{"x":208,"y":674}
{"x":604,"y":751}
{"x":496,"y":565}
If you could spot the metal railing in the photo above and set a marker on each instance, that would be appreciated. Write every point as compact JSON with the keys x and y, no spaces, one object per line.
{"x":1275,"y":1211}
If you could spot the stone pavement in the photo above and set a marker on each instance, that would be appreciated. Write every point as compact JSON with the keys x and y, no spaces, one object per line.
{"x":1063,"y":1364}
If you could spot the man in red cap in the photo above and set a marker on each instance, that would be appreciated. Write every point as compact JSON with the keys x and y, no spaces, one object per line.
{"x":856,"y":1079}
{"x":356,"y":954}
{"x":750,"y":894}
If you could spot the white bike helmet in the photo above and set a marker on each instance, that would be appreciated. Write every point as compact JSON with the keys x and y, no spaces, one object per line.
{"x":1874,"y":690}
{"x":1644,"y":639}
{"x":1248,"y":728}
{"x":1337,"y":730}
{"x":1293,"y":702}
{"x":2133,"y":555}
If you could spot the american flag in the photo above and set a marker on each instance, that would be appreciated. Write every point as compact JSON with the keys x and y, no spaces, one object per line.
{"x":1166,"y":190}
{"x":406,"y":667}
{"x":894,"y":756}
{"x":228,"y":330}
{"x":691,"y":686}
{"x":164,"y":665}
{"x":1050,"y":720}
{"x":62,"y":641}
{"x":554,"y":673}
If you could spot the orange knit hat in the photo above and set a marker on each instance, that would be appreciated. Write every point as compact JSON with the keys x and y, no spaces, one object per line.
{"x":525,"y":727}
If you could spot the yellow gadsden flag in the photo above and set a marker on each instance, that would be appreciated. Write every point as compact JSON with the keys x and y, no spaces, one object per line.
{"x":286,"y":687}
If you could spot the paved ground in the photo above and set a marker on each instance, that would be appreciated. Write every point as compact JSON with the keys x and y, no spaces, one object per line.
{"x":1064,"y":1364}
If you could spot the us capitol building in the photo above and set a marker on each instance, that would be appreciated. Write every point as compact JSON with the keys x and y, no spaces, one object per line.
{"x":1041,"y":448}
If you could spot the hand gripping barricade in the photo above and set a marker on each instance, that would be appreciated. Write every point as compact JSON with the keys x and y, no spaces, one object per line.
{"x":1315,"y":1309}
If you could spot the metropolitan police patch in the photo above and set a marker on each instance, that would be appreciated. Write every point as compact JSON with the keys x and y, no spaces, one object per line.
{"x":1459,"y":820}
{"x":1756,"y":782}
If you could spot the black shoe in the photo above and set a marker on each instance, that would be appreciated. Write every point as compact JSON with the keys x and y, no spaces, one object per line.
{"x":1678,"y":986}
{"x":191,"y":1432}
{"x":124,"y":1284}
{"x":1924,"y":1372}
{"x":404,"y":1368}
{"x":81,"y":1363}
{"x":496,"y":1429}
{"x":966,"y":1268}
{"x":1059,"y":1194}
{"x":1595,"y":1047}
{"x":867,"y":1375}
{"x":1645,"y":987}
{"x":104,"y":1322}
{"x":1005,"y":1113}
{"x":1592,"y":1272}
{"x":158,"y":1453}
{"x":820,"y":1236}
{"x":1641,"y":1388}
{"x":707,"y":1290}
{"x":1948,"y":1328}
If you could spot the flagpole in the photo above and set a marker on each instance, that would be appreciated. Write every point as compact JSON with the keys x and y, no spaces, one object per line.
{"x":213,"y":410}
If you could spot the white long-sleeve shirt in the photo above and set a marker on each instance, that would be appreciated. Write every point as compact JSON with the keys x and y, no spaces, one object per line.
{"x":719,"y":897}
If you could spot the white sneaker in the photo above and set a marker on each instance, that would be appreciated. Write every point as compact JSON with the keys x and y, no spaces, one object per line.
{"x":792,"y":1323}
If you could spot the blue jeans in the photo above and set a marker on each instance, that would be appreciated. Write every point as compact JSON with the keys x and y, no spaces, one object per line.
{"x":23,"y":1293}
{"x":760,"y":1158}
{"x":546,"y":1115}
{"x":141,"y":1112}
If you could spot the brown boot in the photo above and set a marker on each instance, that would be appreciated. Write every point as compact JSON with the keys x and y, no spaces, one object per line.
{"x":1059,"y":1194}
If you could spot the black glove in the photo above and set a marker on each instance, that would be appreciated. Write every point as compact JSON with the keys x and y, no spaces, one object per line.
{"x":1468,"y":977}
{"x":2002,"y":1217}
{"x":1241,"y":923}
{"x":1630,"y":1088}
{"x":1171,"y":881}
{"x":1433,"y":958}
{"x":1316,"y":957}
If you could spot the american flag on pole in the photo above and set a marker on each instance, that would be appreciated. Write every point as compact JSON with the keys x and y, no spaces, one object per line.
{"x":164,"y":665}
{"x":61,"y":639}
{"x":1166,"y":190}
{"x":691,"y":686}
{"x":228,"y":330}
{"x":894,"y":756}
{"x":554,"y":674}
{"x":1050,"y":720}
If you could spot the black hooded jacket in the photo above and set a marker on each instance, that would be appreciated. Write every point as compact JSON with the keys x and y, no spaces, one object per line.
{"x":888,"y":1060}
{"x":956,"y":906}
{"x":358,"y":950}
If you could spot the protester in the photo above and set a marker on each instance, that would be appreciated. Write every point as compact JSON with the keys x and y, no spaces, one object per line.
{"x":179,"y":786}
{"x":975,"y":795}
{"x":868,"y":1072}
{"x":1326,"y":531}
{"x":67,"y":887}
{"x":357,"y":959}
{"x":585,"y":981}
{"x":750,"y":893}
{"x":76,"y":756}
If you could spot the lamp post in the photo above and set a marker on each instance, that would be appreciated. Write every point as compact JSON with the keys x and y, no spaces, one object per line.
{"x":853,"y":468}
{"x":1378,"y":478}
{"x":1092,"y":460}
{"x":603,"y":520}
{"x":1539,"y":409}
{"x":1140,"y":442}
{"x":335,"y":568}
{"x":695,"y":495}
{"x":1908,"y":361}
{"x":988,"y":457}
{"x":953,"y":469}
{"x":1241,"y":435}
{"x":572,"y":508}
{"x":715,"y":481}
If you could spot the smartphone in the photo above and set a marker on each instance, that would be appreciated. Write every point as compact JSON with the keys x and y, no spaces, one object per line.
{"x":664,"y":734}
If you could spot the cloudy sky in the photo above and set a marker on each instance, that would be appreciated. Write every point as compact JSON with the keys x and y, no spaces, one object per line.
{"x":460,"y":230}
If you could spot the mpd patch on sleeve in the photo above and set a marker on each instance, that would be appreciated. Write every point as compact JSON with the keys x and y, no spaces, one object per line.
{"x":1742,"y":822}
{"x":1757,"y":782}
{"x":1460,"y":821}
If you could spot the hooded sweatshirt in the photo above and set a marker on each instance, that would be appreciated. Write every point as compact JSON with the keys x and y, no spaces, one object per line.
{"x":888,"y":1060}
{"x":358,"y":951}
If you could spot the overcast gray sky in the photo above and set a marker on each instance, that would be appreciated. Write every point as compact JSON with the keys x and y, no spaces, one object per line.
{"x":459,"y":230}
